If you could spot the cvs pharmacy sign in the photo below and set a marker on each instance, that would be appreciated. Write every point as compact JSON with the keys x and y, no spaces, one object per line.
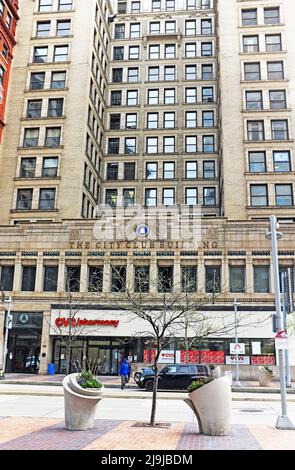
{"x":167,"y":357}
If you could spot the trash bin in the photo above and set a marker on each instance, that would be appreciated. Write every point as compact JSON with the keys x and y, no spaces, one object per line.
{"x":51,"y":369}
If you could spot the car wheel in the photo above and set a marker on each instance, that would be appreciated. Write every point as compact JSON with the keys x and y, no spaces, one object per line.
{"x":149,"y":385}
{"x":137,"y":376}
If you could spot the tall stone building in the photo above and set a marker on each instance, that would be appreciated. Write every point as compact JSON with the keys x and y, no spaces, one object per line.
{"x":168,"y":106}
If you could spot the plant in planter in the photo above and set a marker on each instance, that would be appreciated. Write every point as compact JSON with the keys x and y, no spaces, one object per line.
{"x":82,"y":392}
{"x":210,"y":400}
{"x":265,"y":376}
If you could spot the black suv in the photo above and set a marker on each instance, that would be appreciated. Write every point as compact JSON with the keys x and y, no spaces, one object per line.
{"x":175,"y":376}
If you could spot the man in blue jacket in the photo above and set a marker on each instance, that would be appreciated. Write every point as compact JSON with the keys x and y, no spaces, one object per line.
{"x":123,"y":372}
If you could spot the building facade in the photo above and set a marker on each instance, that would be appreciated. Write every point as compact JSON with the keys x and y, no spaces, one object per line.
{"x":8,"y":21}
{"x":134,"y":112}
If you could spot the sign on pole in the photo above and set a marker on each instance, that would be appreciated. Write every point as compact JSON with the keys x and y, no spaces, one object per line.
{"x":281,"y":340}
{"x":237,"y":348}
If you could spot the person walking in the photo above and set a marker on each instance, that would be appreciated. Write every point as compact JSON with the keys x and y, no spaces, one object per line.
{"x":130,"y":369}
{"x":123,"y":372}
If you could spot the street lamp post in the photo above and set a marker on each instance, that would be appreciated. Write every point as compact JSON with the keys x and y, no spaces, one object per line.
{"x":4,"y":354}
{"x":283,"y":421}
{"x":237,"y":382}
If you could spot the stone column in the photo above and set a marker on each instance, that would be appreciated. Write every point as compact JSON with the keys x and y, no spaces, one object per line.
{"x":2,"y":319}
{"x":130,"y":274}
{"x":61,"y":275}
{"x":83,"y":274}
{"x":249,"y":276}
{"x":46,"y":343}
{"x":201,"y":274}
{"x":224,"y":275}
{"x":153,"y":274}
{"x":39,"y":275}
{"x":106,"y":276}
{"x":177,"y":273}
{"x":17,"y":275}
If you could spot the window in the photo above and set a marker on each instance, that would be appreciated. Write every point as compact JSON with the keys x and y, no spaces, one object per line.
{"x":170,"y":5}
{"x":111,"y":197}
{"x":7,"y":275}
{"x":257,"y":162}
{"x":169,"y":144}
{"x":281,"y":161}
{"x":154,"y":52}
{"x":277,"y":99}
{"x":191,"y":196}
{"x":152,"y":120}
{"x":131,"y":121}
{"x":46,"y":199}
{"x":129,"y":171}
{"x":207,"y":94}
{"x":190,"y":72}
{"x":191,"y":4}
{"x":27,"y":168}
{"x":133,"y":53}
{"x":119,"y":31}
{"x":2,"y":76}
{"x":153,"y":96}
{"x":206,"y":49}
{"x":155,"y":27}
{"x":45,"y":5}
{"x":133,"y":75}
{"x":116,"y":98}
{"x":169,"y":73}
{"x":209,"y":196}
{"x":58,"y":80}
{"x":141,"y":278}
{"x":273,"y":42}
{"x":154,"y":74}
{"x":279,"y":130}
{"x":255,"y":130}
{"x":275,"y":70}
{"x":252,"y":71}
{"x":168,"y":170}
{"x":73,"y":274}
{"x":118,"y":53}
{"x":284,"y":194}
{"x":128,"y":197}
{"x":28,"y":278}
{"x":209,"y":169}
{"x":117,"y":75}
{"x":169,"y":96}
{"x":134,"y":30}
{"x":122,"y":7}
{"x":130,"y":146}
{"x":213,"y":279}
{"x":191,"y":50}
{"x":191,"y":170}
{"x":34,"y":108}
{"x":95,"y":278}
{"x":113,"y":146}
{"x":249,"y":17}
{"x":170,"y":51}
{"x":259,"y":195}
{"x":191,"y":144}
{"x":208,"y":119}
{"x":254,"y":100}
{"x":55,"y":107}
{"x":40,"y":54}
{"x":169,"y":120}
{"x":50,"y":167}
{"x":271,"y":15}
{"x":151,"y":171}
{"x":24,"y":199}
{"x":250,"y":44}
{"x":237,"y":279}
{"x":170,"y":27}
{"x":65,"y":5}
{"x":156,"y":5}
{"x":53,"y":136}
{"x":132,"y":98}
{"x":150,"y":197}
{"x":190,"y":27}
{"x":135,"y":7}
{"x":168,"y":196}
{"x":112,"y":171}
{"x":206,"y":27}
{"x":50,"y":278}
{"x":261,"y":279}
{"x":63,"y":28}
{"x":191,"y":95}
{"x":165,"y":278}
{"x":115,"y":121}
{"x":208,"y":143}
{"x":191,"y":119}
{"x":189,"y":278}
{"x":60,"y":53}
{"x":207,"y":72}
{"x":31,"y":137}
{"x":152,"y":144}
{"x":43,"y":29}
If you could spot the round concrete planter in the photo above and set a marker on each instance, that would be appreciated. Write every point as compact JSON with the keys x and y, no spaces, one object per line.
{"x":265,"y":377}
{"x":216,"y":372}
{"x":212,"y":406}
{"x":80,"y":404}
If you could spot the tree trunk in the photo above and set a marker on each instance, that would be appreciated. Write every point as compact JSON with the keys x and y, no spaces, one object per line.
{"x":155,"y":390}
{"x":186,"y":342}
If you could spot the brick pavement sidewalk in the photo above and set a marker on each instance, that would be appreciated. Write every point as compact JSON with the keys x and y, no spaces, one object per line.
{"x":50,"y":434}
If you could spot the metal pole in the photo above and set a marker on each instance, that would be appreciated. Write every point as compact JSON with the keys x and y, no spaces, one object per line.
{"x":6,"y":335}
{"x":283,"y":421}
{"x":284,"y":292}
{"x":237,"y":383}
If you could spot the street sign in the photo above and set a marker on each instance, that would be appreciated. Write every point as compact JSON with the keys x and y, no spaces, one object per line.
{"x":237,"y":348}
{"x":281,"y":340}
{"x":9,"y":321}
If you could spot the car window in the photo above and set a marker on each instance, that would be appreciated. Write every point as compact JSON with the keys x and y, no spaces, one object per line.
{"x":202,"y":369}
{"x":194,"y":370}
{"x":170,"y":370}
{"x":184,"y":369}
